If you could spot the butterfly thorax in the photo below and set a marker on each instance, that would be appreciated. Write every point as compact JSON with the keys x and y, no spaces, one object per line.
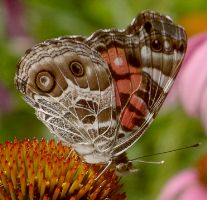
{"x":122,"y":165}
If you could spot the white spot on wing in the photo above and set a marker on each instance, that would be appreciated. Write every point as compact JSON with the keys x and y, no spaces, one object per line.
{"x":157,"y":76}
{"x":145,"y":54}
{"x":118,"y":61}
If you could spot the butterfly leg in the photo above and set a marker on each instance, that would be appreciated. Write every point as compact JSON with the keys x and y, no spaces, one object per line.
{"x":104,"y":170}
{"x":71,"y":151}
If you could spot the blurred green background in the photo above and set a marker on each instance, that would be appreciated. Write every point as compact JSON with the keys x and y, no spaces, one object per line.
{"x":24,"y":23}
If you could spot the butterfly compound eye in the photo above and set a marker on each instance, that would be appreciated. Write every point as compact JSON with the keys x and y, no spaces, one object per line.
{"x":77,"y":69}
{"x":45,"y":81}
{"x":156,"y":45}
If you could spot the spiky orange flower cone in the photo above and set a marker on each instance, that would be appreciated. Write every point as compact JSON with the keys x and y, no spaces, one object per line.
{"x":33,"y":169}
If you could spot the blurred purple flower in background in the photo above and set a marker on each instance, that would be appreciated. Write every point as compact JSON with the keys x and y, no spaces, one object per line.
{"x":191,"y":84}
{"x":188,"y":185}
{"x":14,"y":18}
{"x":6,"y":104}
{"x":15,"y":23}
{"x":18,"y":42}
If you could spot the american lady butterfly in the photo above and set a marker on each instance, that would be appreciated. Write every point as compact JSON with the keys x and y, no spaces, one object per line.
{"x":99,"y":94}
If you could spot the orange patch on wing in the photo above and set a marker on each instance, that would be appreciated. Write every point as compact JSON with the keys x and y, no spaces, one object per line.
{"x":136,"y":81}
{"x":105,"y":56}
{"x":124,"y":86}
{"x":128,"y":116}
{"x":116,"y":58}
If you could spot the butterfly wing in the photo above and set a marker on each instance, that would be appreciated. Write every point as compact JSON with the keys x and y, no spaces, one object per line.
{"x":99,"y":94}
{"x":71,"y":89}
{"x":143,"y":60}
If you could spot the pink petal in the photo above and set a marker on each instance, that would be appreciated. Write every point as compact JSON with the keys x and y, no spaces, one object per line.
{"x":195,"y":192}
{"x":193,"y":45}
{"x":178,"y":184}
{"x":193,"y":77}
{"x":203,"y":108}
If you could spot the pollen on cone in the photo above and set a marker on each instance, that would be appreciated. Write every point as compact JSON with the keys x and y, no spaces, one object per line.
{"x":32,"y":169}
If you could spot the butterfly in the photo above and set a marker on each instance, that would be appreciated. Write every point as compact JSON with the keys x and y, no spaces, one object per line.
{"x":100,"y":93}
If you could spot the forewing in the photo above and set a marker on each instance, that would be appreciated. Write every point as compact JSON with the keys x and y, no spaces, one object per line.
{"x":143,"y":60}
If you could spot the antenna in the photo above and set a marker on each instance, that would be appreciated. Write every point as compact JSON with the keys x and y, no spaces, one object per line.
{"x":164,"y":152}
{"x":148,"y":162}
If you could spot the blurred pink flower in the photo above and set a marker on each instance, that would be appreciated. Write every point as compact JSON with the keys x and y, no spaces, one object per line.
{"x":188,"y":185}
{"x":191,"y":84}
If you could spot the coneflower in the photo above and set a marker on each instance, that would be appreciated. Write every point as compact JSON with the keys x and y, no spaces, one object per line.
{"x":33,"y":169}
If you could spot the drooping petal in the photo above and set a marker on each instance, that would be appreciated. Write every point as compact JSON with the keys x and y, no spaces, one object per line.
{"x":179,"y":184}
{"x":193,"y":77}
{"x":195,"y":191}
{"x":183,"y":82}
{"x":203,"y":108}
